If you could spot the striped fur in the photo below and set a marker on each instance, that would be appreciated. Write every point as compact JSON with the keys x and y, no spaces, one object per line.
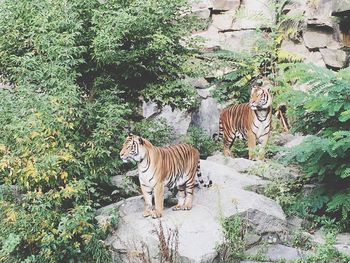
{"x":171,"y":166}
{"x":249,"y":121}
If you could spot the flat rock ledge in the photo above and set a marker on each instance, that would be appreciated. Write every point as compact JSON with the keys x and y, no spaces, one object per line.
{"x":199,"y":230}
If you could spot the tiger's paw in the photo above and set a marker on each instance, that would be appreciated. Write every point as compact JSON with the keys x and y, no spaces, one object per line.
{"x":187,"y":207}
{"x":146,"y":213}
{"x":177,"y":207}
{"x":156,"y":214}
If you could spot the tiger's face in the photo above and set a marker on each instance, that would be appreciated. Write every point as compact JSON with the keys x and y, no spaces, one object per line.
{"x":133,"y":149}
{"x":260,"y":98}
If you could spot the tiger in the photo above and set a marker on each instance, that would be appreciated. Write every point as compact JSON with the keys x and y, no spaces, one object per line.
{"x":175,"y":165}
{"x":249,"y":121}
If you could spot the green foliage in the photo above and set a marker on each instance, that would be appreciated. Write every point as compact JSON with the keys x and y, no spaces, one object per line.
{"x":233,"y":246}
{"x":322,"y":111}
{"x":157,"y":131}
{"x":201,"y":141}
{"x":326,"y":253}
{"x":40,"y":230}
{"x":177,"y":94}
{"x":77,"y":69}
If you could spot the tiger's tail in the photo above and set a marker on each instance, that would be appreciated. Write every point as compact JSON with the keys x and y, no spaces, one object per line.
{"x":200,"y":179}
{"x":218,"y":137}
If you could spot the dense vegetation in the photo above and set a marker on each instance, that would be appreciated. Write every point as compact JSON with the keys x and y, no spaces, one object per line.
{"x":77,"y":70}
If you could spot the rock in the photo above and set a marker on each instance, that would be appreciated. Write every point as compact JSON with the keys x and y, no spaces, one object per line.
{"x":198,"y":83}
{"x":342,"y":243}
{"x":276,"y":252}
{"x":315,"y":58}
{"x":203,"y":93}
{"x":255,"y":14}
{"x":199,"y":229}
{"x":298,"y":139}
{"x":179,"y":120}
{"x":202,"y":13}
{"x":224,"y":5}
{"x":207,"y":116}
{"x":335,"y":59}
{"x":223,"y":21}
{"x":316,"y":38}
{"x":149,"y":109}
{"x":341,"y":7}
{"x":294,"y":223}
{"x":118,"y":179}
{"x":239,"y":164}
{"x":251,"y":239}
{"x":238,"y":40}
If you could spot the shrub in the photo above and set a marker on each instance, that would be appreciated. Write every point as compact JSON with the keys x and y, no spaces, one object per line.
{"x":324,"y":112}
{"x":157,"y":131}
{"x":201,"y":141}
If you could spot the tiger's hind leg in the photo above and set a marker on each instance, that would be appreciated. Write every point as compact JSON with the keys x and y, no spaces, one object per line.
{"x":189,"y":192}
{"x":228,"y":142}
{"x":181,"y":198}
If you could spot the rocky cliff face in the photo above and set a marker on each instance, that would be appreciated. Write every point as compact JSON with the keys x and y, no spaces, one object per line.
{"x":324,"y":40}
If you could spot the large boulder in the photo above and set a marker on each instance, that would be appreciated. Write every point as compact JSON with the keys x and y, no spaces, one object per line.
{"x":316,"y":38}
{"x":334,"y":58}
{"x":276,"y":252}
{"x":224,"y":5}
{"x":207,"y":116}
{"x":341,"y":7}
{"x":179,"y":120}
{"x":199,"y":230}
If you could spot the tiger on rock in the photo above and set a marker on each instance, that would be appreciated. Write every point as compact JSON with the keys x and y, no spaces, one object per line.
{"x":175,"y":165}
{"x":249,"y":121}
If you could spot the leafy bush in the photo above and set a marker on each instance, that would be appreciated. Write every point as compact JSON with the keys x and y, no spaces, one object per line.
{"x":156,"y":131}
{"x":324,"y":112}
{"x":201,"y":141}
{"x":77,"y":69}
{"x":233,"y":247}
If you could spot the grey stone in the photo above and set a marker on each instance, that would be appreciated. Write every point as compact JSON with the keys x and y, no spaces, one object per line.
{"x":223,"y":21}
{"x":149,"y":109}
{"x":251,"y":239}
{"x":276,"y":252}
{"x":342,"y":243}
{"x":315,"y":58}
{"x":179,"y":120}
{"x":294,"y":223}
{"x":202,"y":13}
{"x":255,"y":14}
{"x":239,"y":164}
{"x":316,"y":38}
{"x":238,"y":40}
{"x":298,"y":139}
{"x":225,"y":5}
{"x":340,"y":7}
{"x":333,"y":58}
{"x":207,"y":116}
{"x":203,"y":93}
{"x":198,"y":238}
{"x":198,"y":83}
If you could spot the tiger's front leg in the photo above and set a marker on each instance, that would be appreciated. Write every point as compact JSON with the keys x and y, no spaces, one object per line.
{"x":181,"y":198}
{"x":159,"y":200}
{"x":264,"y":140}
{"x":147,"y":196}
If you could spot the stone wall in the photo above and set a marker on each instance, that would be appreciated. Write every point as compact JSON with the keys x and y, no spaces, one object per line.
{"x":324,"y":40}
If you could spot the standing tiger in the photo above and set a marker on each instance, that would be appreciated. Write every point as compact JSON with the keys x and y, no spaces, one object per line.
{"x":250,"y":121}
{"x":175,"y":165}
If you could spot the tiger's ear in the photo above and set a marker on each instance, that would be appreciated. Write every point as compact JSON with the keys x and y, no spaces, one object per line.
{"x":130,"y":134}
{"x":141,"y":141}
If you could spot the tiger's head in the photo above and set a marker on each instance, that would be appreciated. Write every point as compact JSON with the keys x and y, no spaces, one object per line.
{"x":260,"y":98}
{"x":133,"y":149}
